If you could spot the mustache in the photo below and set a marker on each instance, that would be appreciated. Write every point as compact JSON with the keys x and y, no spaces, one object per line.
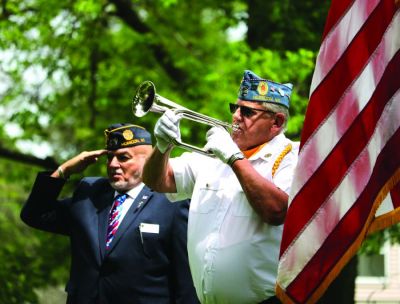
{"x":116,"y":171}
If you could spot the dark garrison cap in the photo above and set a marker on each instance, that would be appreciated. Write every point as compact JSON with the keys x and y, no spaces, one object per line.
{"x":123,"y":135}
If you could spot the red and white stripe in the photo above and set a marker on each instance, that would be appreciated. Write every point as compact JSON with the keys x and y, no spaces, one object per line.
{"x":350,"y":146}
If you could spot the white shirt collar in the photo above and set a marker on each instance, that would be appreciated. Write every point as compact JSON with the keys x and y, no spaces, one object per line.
{"x":268,"y":148}
{"x":133,"y":192}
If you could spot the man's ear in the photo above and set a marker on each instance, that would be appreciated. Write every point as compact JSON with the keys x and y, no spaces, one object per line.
{"x":279,"y":120}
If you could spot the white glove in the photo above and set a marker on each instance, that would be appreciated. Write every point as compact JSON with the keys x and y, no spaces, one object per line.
{"x":167,"y":129}
{"x":220,"y":142}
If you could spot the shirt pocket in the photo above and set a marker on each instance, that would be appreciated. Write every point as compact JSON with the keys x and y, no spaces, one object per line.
{"x":207,"y":197}
{"x":150,"y":242}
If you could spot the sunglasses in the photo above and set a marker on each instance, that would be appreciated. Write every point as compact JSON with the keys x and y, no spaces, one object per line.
{"x":246,"y":111}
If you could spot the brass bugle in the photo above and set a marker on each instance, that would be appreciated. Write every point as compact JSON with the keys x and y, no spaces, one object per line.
{"x":147,"y":100}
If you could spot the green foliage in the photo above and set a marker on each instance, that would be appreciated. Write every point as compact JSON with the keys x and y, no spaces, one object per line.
{"x":83,"y":65}
{"x":375,"y":241}
{"x":30,"y":259}
{"x":286,"y":25}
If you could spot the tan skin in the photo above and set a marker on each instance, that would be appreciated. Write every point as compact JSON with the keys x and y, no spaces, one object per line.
{"x":124,"y":166}
{"x":268,"y":201}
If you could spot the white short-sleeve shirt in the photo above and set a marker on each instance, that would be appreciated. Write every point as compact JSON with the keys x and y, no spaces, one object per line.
{"x":233,"y":254}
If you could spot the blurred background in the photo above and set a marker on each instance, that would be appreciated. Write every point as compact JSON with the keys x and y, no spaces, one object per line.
{"x":68,"y":69}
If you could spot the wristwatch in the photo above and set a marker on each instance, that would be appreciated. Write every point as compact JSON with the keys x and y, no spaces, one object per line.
{"x":236,"y":156}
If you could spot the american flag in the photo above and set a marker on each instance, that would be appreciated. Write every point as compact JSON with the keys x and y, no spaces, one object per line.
{"x":349,"y":161}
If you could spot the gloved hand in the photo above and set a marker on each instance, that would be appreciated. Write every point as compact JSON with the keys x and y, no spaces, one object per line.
{"x":220,"y":142}
{"x":167,"y":129}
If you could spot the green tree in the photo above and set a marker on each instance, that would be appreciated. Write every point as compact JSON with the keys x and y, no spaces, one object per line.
{"x":286,"y":25}
{"x":30,"y":259}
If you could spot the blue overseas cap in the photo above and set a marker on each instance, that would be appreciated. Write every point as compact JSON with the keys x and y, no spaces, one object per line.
{"x":254,"y":88}
{"x":123,"y":135}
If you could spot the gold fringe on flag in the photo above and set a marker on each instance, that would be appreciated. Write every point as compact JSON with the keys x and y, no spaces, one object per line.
{"x":392,"y":217}
{"x":356,"y":245}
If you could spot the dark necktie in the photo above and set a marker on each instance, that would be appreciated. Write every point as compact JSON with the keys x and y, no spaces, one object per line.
{"x":114,"y":218}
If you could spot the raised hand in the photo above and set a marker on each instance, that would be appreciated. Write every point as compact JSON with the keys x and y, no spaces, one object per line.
{"x":78,"y":163}
{"x":220,"y":142}
{"x":167,"y":129}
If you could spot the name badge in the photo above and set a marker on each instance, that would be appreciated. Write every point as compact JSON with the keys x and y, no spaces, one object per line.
{"x":149,"y":228}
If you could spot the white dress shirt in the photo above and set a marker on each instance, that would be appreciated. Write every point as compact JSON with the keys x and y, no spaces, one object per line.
{"x":233,"y":254}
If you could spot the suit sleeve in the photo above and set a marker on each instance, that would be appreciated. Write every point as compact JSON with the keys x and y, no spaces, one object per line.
{"x":42,"y":210}
{"x":183,"y":283}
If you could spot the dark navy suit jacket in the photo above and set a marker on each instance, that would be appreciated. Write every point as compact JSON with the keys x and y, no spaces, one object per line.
{"x":140,"y":267}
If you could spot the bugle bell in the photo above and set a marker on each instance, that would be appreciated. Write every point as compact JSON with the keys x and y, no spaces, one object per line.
{"x":147,"y":100}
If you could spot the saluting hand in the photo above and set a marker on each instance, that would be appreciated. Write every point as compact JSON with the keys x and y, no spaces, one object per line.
{"x":78,"y":163}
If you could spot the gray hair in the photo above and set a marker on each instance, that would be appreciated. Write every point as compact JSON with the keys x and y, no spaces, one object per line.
{"x":276,"y":108}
